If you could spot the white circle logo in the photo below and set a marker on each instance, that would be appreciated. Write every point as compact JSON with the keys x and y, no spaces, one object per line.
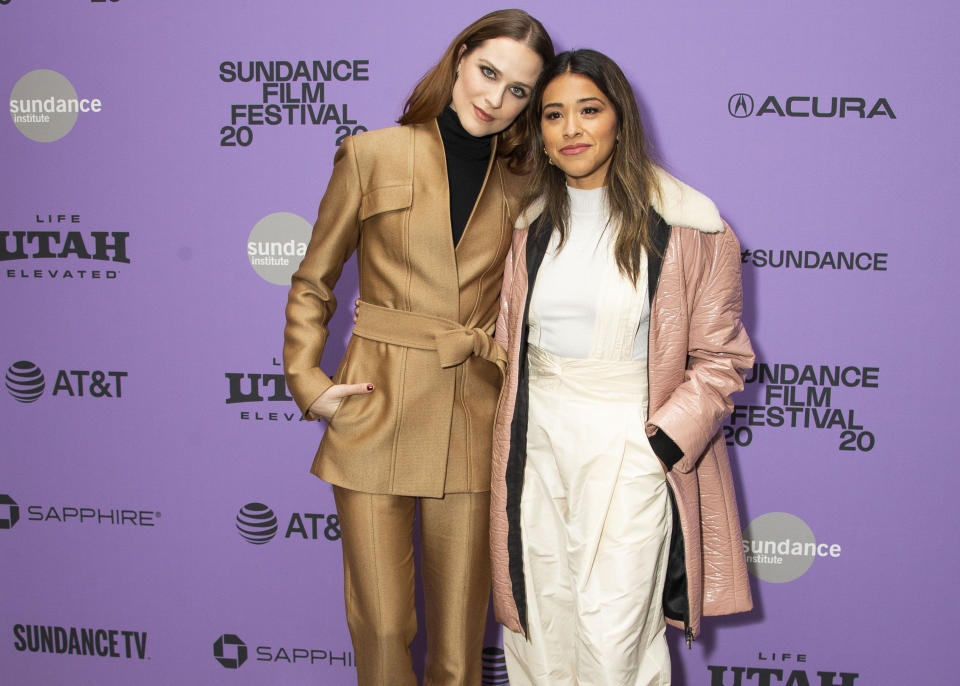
{"x":781,"y":547}
{"x":276,"y":245}
{"x":44,"y":105}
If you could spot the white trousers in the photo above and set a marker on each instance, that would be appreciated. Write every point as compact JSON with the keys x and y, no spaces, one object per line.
{"x":596,"y":522}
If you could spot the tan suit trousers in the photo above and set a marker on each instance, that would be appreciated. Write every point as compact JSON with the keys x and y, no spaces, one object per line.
{"x":378,"y":564}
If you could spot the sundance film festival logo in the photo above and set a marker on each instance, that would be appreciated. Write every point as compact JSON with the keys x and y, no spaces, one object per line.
{"x":26,"y":383}
{"x":258,"y":524}
{"x":44,"y":105}
{"x":742,"y":106}
{"x":807,"y":397}
{"x":780,"y":547}
{"x":284,"y":93}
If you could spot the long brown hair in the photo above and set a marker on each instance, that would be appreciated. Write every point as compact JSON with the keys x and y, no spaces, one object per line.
{"x":631,"y":178}
{"x":434,"y":90}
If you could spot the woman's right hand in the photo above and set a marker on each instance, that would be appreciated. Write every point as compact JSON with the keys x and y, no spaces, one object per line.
{"x":330,"y":399}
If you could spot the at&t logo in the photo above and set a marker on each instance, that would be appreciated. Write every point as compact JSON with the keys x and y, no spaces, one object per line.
{"x":230,"y":651}
{"x":25,"y":382}
{"x":258,"y":524}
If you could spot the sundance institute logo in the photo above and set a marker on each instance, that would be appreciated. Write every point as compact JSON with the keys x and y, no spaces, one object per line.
{"x":44,"y":105}
{"x":276,"y":245}
{"x":24,"y":381}
{"x":257,"y":523}
{"x":230,"y":651}
{"x":780,"y":547}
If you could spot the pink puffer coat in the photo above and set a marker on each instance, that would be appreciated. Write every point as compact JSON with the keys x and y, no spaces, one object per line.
{"x":698,"y":354}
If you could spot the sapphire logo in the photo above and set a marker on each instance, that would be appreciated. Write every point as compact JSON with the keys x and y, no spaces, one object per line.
{"x":257,"y":523}
{"x":9,"y":511}
{"x":740,"y":105}
{"x":230,"y":651}
{"x":25,"y":381}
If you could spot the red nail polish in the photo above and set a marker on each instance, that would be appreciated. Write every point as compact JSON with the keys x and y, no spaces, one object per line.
{"x":369,"y":386}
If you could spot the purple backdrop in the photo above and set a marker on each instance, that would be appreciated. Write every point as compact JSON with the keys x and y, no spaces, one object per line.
{"x":129,"y":288}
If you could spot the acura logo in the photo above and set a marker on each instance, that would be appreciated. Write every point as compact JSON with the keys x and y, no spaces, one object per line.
{"x":740,"y":105}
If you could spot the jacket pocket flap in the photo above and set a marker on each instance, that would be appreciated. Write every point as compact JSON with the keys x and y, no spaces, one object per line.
{"x":385,"y":199}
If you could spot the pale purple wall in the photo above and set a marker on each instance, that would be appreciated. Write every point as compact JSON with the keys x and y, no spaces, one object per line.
{"x":188,"y":309}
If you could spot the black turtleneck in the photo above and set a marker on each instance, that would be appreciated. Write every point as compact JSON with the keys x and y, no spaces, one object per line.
{"x":467,"y":159}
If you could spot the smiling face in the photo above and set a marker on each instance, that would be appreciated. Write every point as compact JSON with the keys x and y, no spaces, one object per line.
{"x":494,"y":84}
{"x":579,"y":127}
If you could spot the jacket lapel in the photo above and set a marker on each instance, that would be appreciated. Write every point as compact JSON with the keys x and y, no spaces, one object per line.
{"x":489,"y":200}
{"x":430,"y":237}
{"x":660,"y":231}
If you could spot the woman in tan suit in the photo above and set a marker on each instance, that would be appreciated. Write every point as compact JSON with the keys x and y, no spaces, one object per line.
{"x":428,"y":206}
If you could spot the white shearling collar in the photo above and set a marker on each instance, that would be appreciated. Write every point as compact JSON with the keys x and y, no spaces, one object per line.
{"x":682,"y":205}
{"x":678,"y":204}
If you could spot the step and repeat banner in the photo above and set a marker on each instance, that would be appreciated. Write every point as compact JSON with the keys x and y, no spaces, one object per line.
{"x":161,"y":167}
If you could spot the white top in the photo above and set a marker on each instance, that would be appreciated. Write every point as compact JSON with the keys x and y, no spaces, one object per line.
{"x":582,"y":306}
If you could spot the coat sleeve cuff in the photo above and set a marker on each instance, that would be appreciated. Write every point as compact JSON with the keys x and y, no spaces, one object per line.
{"x":668,"y":451}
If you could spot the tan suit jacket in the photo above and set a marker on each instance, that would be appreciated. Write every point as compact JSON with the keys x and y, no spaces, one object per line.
{"x":425,"y":430}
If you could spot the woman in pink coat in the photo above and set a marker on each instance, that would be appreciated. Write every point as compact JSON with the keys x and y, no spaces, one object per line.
{"x":612,"y":505}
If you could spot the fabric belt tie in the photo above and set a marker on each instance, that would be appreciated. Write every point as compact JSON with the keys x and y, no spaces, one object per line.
{"x":453,"y":342}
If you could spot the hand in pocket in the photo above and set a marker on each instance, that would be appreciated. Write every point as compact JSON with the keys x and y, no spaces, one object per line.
{"x":328,"y":402}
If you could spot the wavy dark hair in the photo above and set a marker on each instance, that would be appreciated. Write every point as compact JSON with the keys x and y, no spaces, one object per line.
{"x":433,"y":92}
{"x":631,"y":178}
